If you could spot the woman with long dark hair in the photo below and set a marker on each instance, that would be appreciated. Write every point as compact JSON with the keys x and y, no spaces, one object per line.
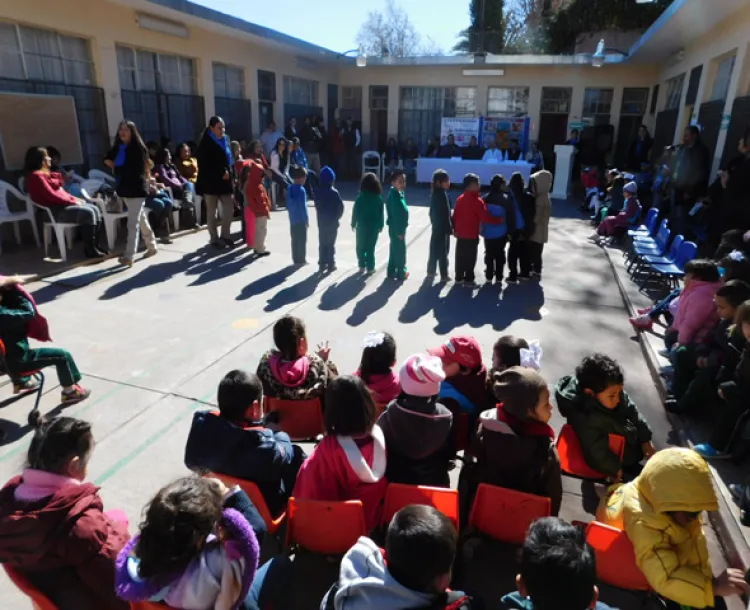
{"x":216,"y":180}
{"x":129,"y":159}
{"x":280,"y":169}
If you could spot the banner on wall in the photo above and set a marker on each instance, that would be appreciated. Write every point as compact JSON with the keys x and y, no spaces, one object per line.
{"x":460,"y":128}
{"x":505,"y":129}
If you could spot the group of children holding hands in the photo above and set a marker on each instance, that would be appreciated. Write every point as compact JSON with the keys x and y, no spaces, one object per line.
{"x":199,"y":542}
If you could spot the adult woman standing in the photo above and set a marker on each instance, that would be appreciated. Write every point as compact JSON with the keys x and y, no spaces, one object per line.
{"x":256,"y":197}
{"x":46,"y":188}
{"x":215,"y":180}
{"x":129,"y":159}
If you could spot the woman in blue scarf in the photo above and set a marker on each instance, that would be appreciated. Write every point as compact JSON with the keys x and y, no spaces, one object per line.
{"x":216,"y":180}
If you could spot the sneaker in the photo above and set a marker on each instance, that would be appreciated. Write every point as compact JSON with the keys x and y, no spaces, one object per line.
{"x":445,"y":279}
{"x":707,"y":451}
{"x":525,"y":278}
{"x":28,"y":386}
{"x":642,"y":322}
{"x":737,"y":490}
{"x":166,"y":240}
{"x":228,"y":241}
{"x":125,"y":262}
{"x":644,"y":310}
{"x":471,"y":284}
{"x":512,"y":280}
{"x":262,"y":254}
{"x":152,"y":251}
{"x":664,"y":352}
{"x":406,"y":275}
{"x":362,"y":270}
{"x":332,"y":268}
{"x":77,"y":394}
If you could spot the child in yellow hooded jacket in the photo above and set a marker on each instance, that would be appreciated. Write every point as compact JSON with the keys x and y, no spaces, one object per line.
{"x":660,"y":511}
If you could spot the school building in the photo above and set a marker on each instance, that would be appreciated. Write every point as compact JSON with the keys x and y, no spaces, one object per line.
{"x":170,"y":64}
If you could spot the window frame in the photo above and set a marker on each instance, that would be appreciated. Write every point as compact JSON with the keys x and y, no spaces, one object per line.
{"x":236,"y":71}
{"x":557,"y":101}
{"x":157,"y":71}
{"x":514,"y":94}
{"x":726,"y":79}
{"x":290,"y":82}
{"x":674,"y":87}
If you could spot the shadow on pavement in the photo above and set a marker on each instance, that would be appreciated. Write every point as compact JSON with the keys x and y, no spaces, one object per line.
{"x":294,"y":293}
{"x":265,"y":283}
{"x":368,"y":305}
{"x":340,"y":293}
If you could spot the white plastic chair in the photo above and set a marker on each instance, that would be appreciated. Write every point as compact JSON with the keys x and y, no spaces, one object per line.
{"x":110,"y":222}
{"x":63,"y":231}
{"x":6,"y":216}
{"x":372,"y":162}
{"x":97,"y":174}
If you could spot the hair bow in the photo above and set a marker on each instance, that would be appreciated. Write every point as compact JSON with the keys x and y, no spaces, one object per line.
{"x":532,"y":358}
{"x":373,"y":339}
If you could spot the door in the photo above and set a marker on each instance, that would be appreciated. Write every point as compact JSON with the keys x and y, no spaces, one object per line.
{"x":553,"y":129}
{"x":627,"y":132}
{"x":378,"y":130}
{"x":265,"y":112}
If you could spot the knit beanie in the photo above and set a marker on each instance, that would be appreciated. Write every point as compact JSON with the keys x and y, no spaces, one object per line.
{"x":327,"y":175}
{"x":421,"y":375}
{"x":518,"y":389}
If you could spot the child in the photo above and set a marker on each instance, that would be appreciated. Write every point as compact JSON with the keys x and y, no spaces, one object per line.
{"x":660,"y":512}
{"x":518,"y":251}
{"x":349,"y":463}
{"x":53,"y":528}
{"x":511,"y":351}
{"x":442,"y":227}
{"x":696,"y":315}
{"x":468,"y":216}
{"x":558,"y":570}
{"x":368,"y":221}
{"x":612,"y":224}
{"x":398,"y":220}
{"x":696,"y":367}
{"x":540,"y":185}
{"x":500,"y":205}
{"x":289,"y":372}
{"x":376,"y":367}
{"x":298,"y":218}
{"x":414,"y":572}
{"x":330,"y":209}
{"x":237,"y":442}
{"x":596,"y":405}
{"x":514,"y":446}
{"x":196,"y":548}
{"x":417,"y":428}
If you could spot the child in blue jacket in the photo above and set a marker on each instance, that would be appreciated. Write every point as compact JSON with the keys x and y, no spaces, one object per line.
{"x":299,"y":220}
{"x":500,"y":205}
{"x":330,"y":208}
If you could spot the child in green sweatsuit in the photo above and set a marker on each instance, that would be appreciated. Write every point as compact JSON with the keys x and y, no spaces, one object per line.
{"x":398,"y":220}
{"x":368,"y":220}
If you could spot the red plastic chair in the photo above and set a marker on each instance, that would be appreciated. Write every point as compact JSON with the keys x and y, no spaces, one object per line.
{"x":506,"y":514}
{"x":255,"y":495}
{"x":300,"y":419}
{"x":398,"y":495}
{"x":327,"y":528}
{"x":36,"y":374}
{"x":615,"y":557}
{"x":572,"y":461}
{"x":39,"y":601}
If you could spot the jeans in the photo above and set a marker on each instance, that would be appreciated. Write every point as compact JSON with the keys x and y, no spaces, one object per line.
{"x":494,"y":258}
{"x":160,"y":206}
{"x":518,"y":256}
{"x":327,"y":245}
{"x":440,"y":244}
{"x":466,"y":259}
{"x":259,"y":238}
{"x":227,"y":212}
{"x":137,"y":218}
{"x":397,"y":256}
{"x":313,"y":160}
{"x":84,"y":214}
{"x":299,"y":242}
{"x":35,"y":359}
{"x":662,"y":307}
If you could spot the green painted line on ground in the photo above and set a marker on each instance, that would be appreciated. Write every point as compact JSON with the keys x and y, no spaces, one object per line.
{"x":127,"y":459}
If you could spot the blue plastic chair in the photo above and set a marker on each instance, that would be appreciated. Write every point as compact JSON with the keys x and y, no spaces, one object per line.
{"x":648,"y":228}
{"x":654,"y":247}
{"x":655,"y":259}
{"x":645,"y":240}
{"x":673,"y":271}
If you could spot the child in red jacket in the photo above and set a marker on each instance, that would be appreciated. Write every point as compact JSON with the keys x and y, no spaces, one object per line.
{"x":469,"y":214}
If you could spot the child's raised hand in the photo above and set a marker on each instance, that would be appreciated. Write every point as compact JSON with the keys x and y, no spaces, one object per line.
{"x":324,"y":351}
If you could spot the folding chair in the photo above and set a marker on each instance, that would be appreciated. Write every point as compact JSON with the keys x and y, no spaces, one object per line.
{"x":300,"y":419}
{"x":399,"y":495}
{"x":615,"y":557}
{"x":39,"y":601}
{"x":647,"y":245}
{"x":256,"y":497}
{"x":327,"y":528}
{"x":674,"y":270}
{"x":649,"y":259}
{"x":572,"y":461}
{"x":506,"y":514}
{"x":14,"y":218}
{"x":36,"y":374}
{"x":648,"y":228}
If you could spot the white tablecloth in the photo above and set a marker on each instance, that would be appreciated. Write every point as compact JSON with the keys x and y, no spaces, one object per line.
{"x":459,"y":168}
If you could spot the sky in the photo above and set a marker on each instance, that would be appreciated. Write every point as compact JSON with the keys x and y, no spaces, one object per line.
{"x":334,"y":23}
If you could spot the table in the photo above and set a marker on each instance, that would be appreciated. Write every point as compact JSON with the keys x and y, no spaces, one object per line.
{"x":458,"y":168}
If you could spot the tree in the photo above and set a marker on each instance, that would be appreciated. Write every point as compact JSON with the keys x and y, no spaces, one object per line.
{"x":390,"y":32}
{"x":487,"y":28}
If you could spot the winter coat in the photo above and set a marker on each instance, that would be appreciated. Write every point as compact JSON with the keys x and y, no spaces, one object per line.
{"x":384,"y":388}
{"x":343,"y":468}
{"x":418,"y":439}
{"x":256,"y":196}
{"x":328,"y":205}
{"x":46,"y":188}
{"x":398,"y":212}
{"x":674,"y":559}
{"x":368,"y":212}
{"x":63,"y":542}
{"x":540,"y":186}
{"x":593,"y":423}
{"x":440,"y":212}
{"x":469,"y":214}
{"x":305,"y":378}
{"x":696,"y":316}
{"x":19,"y":320}
{"x":296,"y":205}
{"x":213,"y":165}
{"x":692,"y":166}
{"x":623,"y":220}
{"x":499,"y":205}
{"x":131,"y":178}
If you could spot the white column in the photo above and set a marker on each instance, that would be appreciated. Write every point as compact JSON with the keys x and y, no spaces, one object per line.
{"x":206,"y":74}
{"x":563,"y":170}
{"x":109,"y":80}
{"x":535,"y":111}
{"x":732,"y":93}
{"x":251,"y":93}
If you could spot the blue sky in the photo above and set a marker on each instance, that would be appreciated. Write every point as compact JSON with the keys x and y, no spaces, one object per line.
{"x":334,"y":23}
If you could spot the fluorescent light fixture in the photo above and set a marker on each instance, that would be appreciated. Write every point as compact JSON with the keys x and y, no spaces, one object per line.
{"x":644,"y":1}
{"x":498,"y":72}
{"x":163,"y":26}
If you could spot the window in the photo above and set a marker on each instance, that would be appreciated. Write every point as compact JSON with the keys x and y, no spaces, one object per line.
{"x":267,"y":85}
{"x":141,"y":70}
{"x":597,"y":101}
{"x":508,"y":101}
{"x":634,"y":101}
{"x":44,"y":55}
{"x":556,"y":100}
{"x":229,"y":81}
{"x":378,"y":97}
{"x":722,"y":79}
{"x":693,"y":83}
{"x":351,"y":97}
{"x":301,"y":91}
{"x":465,"y":104}
{"x":674,"y":92}
{"x":421,"y":110}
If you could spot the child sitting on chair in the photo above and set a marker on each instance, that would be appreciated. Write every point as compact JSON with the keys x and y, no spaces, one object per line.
{"x":196,"y":549}
{"x":53,"y":528}
{"x":511,"y":351}
{"x":417,"y":427}
{"x":350,"y":462}
{"x":612,"y":224}
{"x":595,"y":403}
{"x":376,"y":367}
{"x":238,"y":442}
{"x":289,"y":372}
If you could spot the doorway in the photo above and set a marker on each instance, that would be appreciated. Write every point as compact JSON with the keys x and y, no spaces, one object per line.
{"x":627,"y":132}
{"x":553,"y":129}
{"x":378,"y":130}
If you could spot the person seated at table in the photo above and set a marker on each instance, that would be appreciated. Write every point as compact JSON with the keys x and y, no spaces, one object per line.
{"x":514,"y":152}
{"x":493,"y":153}
{"x":473,"y":152}
{"x":450,"y":149}
{"x":433,"y":146}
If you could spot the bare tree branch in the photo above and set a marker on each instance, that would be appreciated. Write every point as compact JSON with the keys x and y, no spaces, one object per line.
{"x":391,"y":32}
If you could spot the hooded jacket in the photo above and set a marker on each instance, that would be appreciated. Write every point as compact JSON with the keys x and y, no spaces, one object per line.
{"x":418,"y":438}
{"x":469,"y":214}
{"x":593,"y":423}
{"x":343,"y":468}
{"x":696,"y":316}
{"x":329,"y":206}
{"x":674,"y":559}
{"x":301,"y":379}
{"x":384,"y":388}
{"x":366,"y":584}
{"x":369,"y":212}
{"x":63,"y":542}
{"x":499,"y":205}
{"x":540,"y":185}
{"x":440,"y":212}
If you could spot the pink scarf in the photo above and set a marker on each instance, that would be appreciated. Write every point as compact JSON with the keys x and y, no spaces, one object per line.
{"x":38,"y":328}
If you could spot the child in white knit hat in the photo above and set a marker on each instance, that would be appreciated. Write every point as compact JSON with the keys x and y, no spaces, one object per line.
{"x":417,"y":428}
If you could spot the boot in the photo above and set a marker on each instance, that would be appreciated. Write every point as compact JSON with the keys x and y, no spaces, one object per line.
{"x":163,"y":230}
{"x":89,"y":240}
{"x":101,"y":238}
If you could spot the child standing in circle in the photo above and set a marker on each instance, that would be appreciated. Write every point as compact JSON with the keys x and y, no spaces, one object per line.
{"x":368,"y":219}
{"x":398,"y":220}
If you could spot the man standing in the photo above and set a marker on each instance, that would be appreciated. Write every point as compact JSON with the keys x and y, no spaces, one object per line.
{"x":291,"y":129}
{"x":692,"y":164}
{"x":352,"y":139}
{"x":269,"y":138}
{"x":311,"y":143}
